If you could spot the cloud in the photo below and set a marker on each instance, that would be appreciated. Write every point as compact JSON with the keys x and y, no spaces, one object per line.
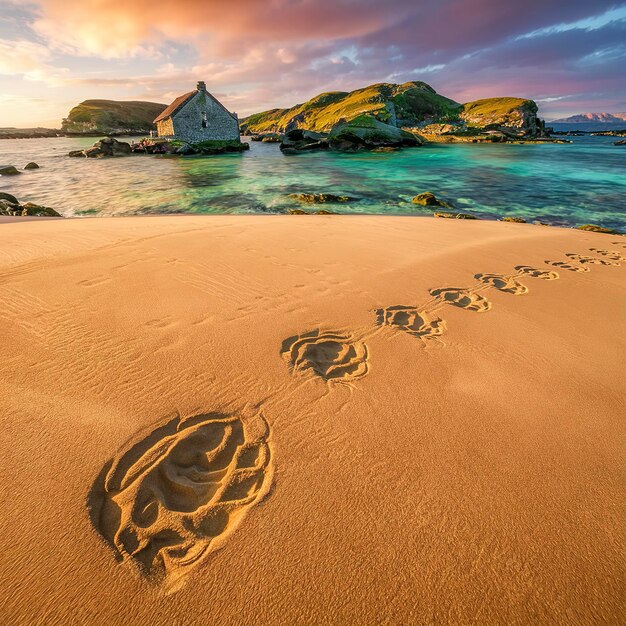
{"x":278,"y":52}
{"x":29,"y":60}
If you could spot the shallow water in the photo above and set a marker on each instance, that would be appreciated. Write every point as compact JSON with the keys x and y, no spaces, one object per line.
{"x":583,"y":182}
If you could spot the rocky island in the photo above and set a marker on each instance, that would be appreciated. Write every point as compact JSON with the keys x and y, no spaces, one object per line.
{"x":391,"y":115}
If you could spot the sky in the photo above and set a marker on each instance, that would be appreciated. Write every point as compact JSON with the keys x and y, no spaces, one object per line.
{"x":568,"y":55}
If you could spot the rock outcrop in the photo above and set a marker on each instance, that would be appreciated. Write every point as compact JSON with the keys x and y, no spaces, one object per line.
{"x":107,"y":147}
{"x":515,"y":116}
{"x":9,"y":206}
{"x":320,"y":198}
{"x":299,"y":140}
{"x":367,"y":133}
{"x":429,"y":199}
{"x":181,"y":148}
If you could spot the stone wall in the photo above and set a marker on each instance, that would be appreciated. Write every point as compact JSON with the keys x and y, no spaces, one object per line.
{"x":165,"y":128}
{"x":220,"y":125}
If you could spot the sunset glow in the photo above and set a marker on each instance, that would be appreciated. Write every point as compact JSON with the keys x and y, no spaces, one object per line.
{"x":568,"y":56}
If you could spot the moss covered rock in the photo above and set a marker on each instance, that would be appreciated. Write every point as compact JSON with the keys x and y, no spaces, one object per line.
{"x":456,"y":216}
{"x":598,"y":229}
{"x":319,"y":198}
{"x":366,"y":133}
{"x":429,"y":199}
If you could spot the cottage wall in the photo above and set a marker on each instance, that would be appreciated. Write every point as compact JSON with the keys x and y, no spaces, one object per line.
{"x":220,"y":125}
{"x":165,"y":128}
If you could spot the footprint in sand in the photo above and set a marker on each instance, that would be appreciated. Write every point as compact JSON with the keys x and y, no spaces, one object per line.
{"x":537,"y":273}
{"x":463,"y":298}
{"x":168,"y":500}
{"x":567,"y":266}
{"x":609,"y":254}
{"x":332,"y":356}
{"x":579,"y":258}
{"x":508,"y":284}
{"x":411,"y":320}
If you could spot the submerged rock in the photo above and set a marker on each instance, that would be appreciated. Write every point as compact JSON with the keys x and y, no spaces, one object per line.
{"x":430,"y":199}
{"x":457,"y":216}
{"x":598,"y":229}
{"x":31,"y":166}
{"x":319,"y":198}
{"x":9,"y":170}
{"x":620,"y":143}
{"x":367,"y":133}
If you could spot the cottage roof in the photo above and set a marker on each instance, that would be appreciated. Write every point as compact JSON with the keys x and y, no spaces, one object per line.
{"x":181,"y":101}
{"x":178,"y":104}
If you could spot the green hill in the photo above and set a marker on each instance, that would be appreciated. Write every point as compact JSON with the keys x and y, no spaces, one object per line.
{"x":112,"y":117}
{"x":397,"y":105}
{"x":413,"y":105}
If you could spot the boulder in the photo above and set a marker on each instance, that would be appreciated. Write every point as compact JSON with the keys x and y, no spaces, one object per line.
{"x":10,"y":208}
{"x":429,"y":199}
{"x":319,"y":198}
{"x":8,"y":170}
{"x":30,"y":208}
{"x":7,"y":196}
{"x":300,"y":140}
{"x":455,"y":216}
{"x":620,"y":143}
{"x":31,"y":166}
{"x":106,"y":147}
{"x":367,"y":133}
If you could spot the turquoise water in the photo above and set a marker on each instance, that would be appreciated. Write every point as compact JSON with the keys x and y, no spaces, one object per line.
{"x":566,"y":184}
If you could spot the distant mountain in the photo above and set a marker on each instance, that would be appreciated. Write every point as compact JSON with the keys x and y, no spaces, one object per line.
{"x":111,"y":117}
{"x":410,"y":105}
{"x":591,"y":122}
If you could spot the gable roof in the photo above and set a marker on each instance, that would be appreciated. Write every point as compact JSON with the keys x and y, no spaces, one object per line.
{"x":181,"y":101}
{"x":178,"y":104}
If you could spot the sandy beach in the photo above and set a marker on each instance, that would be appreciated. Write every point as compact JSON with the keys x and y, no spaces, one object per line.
{"x":311,"y":420}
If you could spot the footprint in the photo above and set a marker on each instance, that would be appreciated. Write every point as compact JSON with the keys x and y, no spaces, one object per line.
{"x":412,"y":321}
{"x":331,"y":356}
{"x":568,"y":266}
{"x":610,"y":254}
{"x":462,"y":298}
{"x":537,"y":273}
{"x":508,"y":284}
{"x":589,"y":259}
{"x":168,"y":500}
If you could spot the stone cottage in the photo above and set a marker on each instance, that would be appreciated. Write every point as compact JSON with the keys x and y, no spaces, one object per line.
{"x":198,"y":116}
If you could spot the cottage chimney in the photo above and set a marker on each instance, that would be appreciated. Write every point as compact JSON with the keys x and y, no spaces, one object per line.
{"x":201,"y":85}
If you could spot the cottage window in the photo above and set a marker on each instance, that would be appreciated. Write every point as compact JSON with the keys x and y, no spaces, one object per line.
{"x":204,"y":119}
